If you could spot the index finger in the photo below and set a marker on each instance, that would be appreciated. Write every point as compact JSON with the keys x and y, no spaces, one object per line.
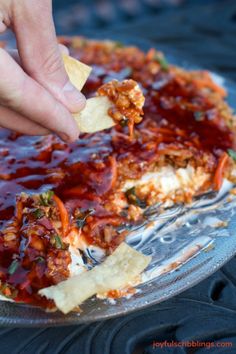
{"x":22,"y":94}
{"x":39,"y":51}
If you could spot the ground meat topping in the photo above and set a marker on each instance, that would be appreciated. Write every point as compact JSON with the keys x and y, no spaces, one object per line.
{"x":128,"y":102}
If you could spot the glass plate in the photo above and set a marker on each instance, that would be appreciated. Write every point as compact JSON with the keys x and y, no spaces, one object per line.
{"x":187,"y":244}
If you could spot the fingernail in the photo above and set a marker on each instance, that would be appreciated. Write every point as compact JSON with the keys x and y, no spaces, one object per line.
{"x":64,"y":49}
{"x":75,"y":99}
{"x":64,"y":137}
{"x":68,"y":139}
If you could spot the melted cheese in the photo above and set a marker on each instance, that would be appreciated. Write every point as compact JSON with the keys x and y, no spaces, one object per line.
{"x":167,"y":180}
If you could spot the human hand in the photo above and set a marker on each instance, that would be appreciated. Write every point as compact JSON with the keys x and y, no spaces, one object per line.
{"x":36,"y":96}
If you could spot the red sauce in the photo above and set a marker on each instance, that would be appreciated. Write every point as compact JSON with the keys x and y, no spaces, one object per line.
{"x":177,"y":117}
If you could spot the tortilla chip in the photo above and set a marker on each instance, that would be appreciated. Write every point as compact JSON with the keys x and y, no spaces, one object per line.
{"x":118,"y":271}
{"x":78,"y":72}
{"x":94,"y":116}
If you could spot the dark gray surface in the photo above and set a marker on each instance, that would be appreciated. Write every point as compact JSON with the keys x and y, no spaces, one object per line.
{"x":205,"y":32}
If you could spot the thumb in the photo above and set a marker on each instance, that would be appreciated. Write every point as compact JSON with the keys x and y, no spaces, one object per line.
{"x":39,"y":51}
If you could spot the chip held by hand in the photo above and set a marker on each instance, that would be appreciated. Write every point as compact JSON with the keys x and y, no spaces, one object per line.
{"x":78,"y":72}
{"x":116,"y":102}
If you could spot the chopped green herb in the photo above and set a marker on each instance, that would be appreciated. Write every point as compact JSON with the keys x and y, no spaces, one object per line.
{"x":8,"y":291}
{"x":162,"y":61}
{"x":124,"y":122}
{"x":45,"y":198}
{"x":40,"y":259}
{"x":134,"y":199}
{"x":232,"y":153}
{"x":58,"y":242}
{"x":13,"y":266}
{"x":14,"y":293}
{"x":229,"y":123}
{"x":83,"y":42}
{"x":124,"y":213}
{"x":81,"y":219}
{"x":3,"y":287}
{"x":119,"y":44}
{"x":199,"y":116}
{"x":38,"y":213}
